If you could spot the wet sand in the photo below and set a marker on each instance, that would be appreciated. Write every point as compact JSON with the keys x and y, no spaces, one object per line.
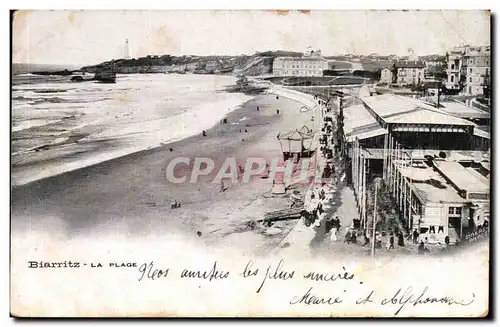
{"x":130,"y":195}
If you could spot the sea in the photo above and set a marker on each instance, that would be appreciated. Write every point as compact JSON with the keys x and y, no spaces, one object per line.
{"x":59,"y":125}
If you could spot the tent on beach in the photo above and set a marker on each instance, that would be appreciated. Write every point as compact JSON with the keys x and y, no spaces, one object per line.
{"x":297,"y":143}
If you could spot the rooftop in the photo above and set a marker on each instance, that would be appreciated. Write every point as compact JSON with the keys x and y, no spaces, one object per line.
{"x":460,"y":109}
{"x":416,"y":154}
{"x":461,"y":177}
{"x":299,"y":59}
{"x":358,"y":122}
{"x":429,"y":185}
{"x":409,"y":64}
{"x":402,"y":110}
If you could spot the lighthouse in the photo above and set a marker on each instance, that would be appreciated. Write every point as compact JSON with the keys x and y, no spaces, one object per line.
{"x":127,"y":50}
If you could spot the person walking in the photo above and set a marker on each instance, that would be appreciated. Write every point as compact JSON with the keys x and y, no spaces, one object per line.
{"x":401,"y":241}
{"x":390,"y":243}
{"x":421,"y":248}
{"x":347,"y":238}
{"x":415,"y":236}
{"x":378,"y":240}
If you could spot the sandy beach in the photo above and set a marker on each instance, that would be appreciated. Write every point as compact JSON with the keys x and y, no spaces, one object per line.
{"x":130,"y":195}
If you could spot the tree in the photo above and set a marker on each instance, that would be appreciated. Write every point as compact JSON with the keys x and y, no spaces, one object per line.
{"x":387,"y":209}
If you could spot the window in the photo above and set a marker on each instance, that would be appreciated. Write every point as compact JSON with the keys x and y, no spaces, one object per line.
{"x":452,"y":66}
{"x":452,"y":78}
{"x":470,"y":79}
{"x":487,"y":71}
{"x":470,"y":70}
{"x":455,"y":211}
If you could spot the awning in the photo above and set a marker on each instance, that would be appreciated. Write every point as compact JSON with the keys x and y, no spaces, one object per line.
{"x":481,"y":133}
{"x":486,"y":165}
{"x":416,"y":174}
{"x":366,"y":135}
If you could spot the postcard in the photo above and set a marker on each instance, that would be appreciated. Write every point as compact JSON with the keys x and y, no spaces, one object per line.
{"x":250,"y":163}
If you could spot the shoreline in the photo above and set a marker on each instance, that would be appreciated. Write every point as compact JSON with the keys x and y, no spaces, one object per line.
{"x":81,"y":149}
{"x":129,"y":195}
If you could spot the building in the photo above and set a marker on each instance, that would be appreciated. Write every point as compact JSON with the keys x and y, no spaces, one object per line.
{"x":476,"y":69}
{"x":413,"y":123}
{"x":383,"y":131}
{"x":468,"y":69}
{"x":459,"y":109}
{"x":409,"y":72}
{"x":443,"y":196}
{"x":433,"y":60}
{"x":310,"y":64}
{"x":386,"y":76}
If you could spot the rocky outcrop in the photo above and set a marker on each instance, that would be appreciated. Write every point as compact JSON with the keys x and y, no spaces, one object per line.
{"x":257,"y":64}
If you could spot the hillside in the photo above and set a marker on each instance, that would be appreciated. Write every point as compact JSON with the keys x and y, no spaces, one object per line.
{"x":30,"y":68}
{"x":257,"y":64}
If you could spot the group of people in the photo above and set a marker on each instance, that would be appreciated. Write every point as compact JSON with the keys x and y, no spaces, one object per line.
{"x":357,"y":236}
{"x":391,"y":240}
{"x":175,"y":205}
{"x":314,"y":208}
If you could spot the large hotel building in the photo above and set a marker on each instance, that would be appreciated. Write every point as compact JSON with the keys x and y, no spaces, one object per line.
{"x":310,"y":64}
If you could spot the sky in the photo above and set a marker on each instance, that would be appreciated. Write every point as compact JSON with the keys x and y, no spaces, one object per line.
{"x":90,"y":37}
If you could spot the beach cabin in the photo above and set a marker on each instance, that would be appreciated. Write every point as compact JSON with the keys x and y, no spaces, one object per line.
{"x":297,"y":144}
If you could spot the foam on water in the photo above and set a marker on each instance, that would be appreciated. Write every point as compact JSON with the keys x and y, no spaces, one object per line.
{"x":137,"y":113}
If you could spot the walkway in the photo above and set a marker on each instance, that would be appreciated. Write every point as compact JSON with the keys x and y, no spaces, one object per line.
{"x":298,"y":241}
{"x":306,"y":99}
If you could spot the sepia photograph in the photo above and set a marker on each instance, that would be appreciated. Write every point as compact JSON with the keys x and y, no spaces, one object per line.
{"x":250,"y":163}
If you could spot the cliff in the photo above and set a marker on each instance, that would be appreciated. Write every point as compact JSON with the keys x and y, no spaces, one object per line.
{"x":257,"y":64}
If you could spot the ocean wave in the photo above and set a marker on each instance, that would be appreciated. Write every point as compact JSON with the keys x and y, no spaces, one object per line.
{"x":35,"y":101}
{"x":49,"y":91}
{"x":147,"y":122}
{"x":56,"y":142}
{"x":28,"y":124}
{"x":21,"y":98}
{"x":139,"y":136}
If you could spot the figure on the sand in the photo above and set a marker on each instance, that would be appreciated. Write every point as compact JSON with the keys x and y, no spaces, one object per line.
{"x":422,"y":248}
{"x":175,"y":205}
